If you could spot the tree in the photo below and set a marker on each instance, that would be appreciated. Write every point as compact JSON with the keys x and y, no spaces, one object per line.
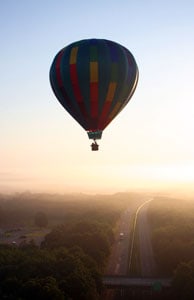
{"x":41,"y":219}
{"x":183,"y":281}
{"x":45,"y":274}
{"x":10,"y":288}
{"x":42,"y":288}
{"x":2,"y":216}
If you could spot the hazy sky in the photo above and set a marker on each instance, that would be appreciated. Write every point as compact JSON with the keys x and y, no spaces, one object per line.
{"x":150,"y":142}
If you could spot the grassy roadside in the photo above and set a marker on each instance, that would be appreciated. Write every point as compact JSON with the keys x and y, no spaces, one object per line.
{"x":135,"y":267}
{"x":134,"y":262}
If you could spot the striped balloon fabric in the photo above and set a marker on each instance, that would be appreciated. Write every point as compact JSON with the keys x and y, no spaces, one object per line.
{"x":94,"y":79}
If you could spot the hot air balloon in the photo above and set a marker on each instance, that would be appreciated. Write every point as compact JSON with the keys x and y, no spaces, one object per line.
{"x":94,"y":79}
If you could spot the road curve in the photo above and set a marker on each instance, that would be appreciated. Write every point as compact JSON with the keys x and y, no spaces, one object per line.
{"x":118,"y":261}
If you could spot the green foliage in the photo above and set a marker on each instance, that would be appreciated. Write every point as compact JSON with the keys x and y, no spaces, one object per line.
{"x":92,"y":237}
{"x":172,"y":223}
{"x":71,"y":259}
{"x":45,"y":274}
{"x":41,"y":288}
{"x":183,"y":281}
{"x":21,"y":208}
{"x":70,"y":262}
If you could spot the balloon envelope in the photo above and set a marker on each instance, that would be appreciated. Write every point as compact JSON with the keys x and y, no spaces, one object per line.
{"x":94,"y":79}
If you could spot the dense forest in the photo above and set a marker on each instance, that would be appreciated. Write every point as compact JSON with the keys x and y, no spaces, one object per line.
{"x":70,"y":260}
{"x":20,"y":209}
{"x":172,"y":225}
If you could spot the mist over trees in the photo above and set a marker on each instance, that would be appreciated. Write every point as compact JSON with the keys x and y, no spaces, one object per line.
{"x":70,"y":261}
{"x":172,"y":223}
{"x":21,"y":209}
{"x":41,"y":219}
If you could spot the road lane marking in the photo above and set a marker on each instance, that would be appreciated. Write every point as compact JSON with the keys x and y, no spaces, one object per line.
{"x":133,"y":233}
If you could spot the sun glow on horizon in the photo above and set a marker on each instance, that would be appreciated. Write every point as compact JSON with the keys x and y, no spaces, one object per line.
{"x":103,"y":179}
{"x":172,"y":172}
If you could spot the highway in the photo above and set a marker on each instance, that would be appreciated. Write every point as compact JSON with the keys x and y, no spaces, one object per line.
{"x":119,"y":259}
{"x":133,"y":224}
{"x":147,"y":262}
